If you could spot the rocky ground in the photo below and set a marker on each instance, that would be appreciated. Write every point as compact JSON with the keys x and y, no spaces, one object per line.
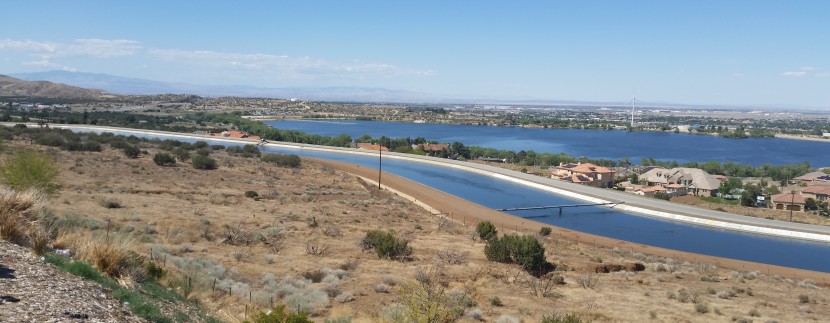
{"x":33,"y":291}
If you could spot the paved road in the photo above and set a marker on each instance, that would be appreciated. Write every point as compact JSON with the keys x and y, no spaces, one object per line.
{"x":632,"y":200}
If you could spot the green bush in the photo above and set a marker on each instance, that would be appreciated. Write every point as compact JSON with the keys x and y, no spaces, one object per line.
{"x":387,"y":245}
{"x":282,"y":160}
{"x":523,"y":250}
{"x":50,"y":139}
{"x":118,"y":144}
{"x":252,"y":150}
{"x":182,"y":154}
{"x":280,"y":315}
{"x":30,"y":170}
{"x":545,"y":231}
{"x":203,"y":162}
{"x":486,"y":230}
{"x":164,"y":159}
{"x":246,"y":151}
{"x":131,"y":151}
{"x":251,"y":194}
{"x":200,"y":144}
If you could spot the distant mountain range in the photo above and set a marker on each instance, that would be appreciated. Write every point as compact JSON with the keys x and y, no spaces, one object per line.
{"x":78,"y":83}
{"x":10,"y":86}
{"x":136,"y":86}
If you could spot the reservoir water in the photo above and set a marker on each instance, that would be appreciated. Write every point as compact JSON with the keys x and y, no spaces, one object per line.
{"x":496,"y":193}
{"x":608,"y":144}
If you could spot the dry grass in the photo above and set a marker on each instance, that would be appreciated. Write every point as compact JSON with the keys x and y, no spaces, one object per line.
{"x":167,"y":208}
{"x":20,"y":213}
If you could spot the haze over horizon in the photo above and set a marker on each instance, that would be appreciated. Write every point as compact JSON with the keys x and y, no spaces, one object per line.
{"x":747,"y":53}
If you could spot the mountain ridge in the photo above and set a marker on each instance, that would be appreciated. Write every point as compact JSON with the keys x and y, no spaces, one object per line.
{"x":11,"y":86}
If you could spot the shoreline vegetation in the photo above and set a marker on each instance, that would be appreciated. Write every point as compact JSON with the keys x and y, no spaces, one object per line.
{"x":217,"y":122}
{"x":525,"y":157}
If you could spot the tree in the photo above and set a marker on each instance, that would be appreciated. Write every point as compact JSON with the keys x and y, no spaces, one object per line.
{"x":27,"y":169}
{"x":810,"y":204}
{"x":460,"y":150}
{"x":486,"y":230}
{"x":729,"y":185}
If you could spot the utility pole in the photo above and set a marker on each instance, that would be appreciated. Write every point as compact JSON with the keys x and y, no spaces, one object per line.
{"x":380,"y":163}
{"x":792,"y":206}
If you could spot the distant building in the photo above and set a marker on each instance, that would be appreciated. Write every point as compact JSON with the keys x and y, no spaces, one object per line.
{"x":813,"y":177}
{"x":233,"y":134}
{"x":695,"y":181}
{"x":432,"y":149}
{"x":818,"y":193}
{"x":649,"y":191}
{"x":493,"y":160}
{"x":584,"y":173}
{"x":788,"y":201}
{"x":368,"y":146}
{"x":826,"y":134}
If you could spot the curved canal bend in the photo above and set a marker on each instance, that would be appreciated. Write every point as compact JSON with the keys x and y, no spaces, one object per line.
{"x":496,"y":193}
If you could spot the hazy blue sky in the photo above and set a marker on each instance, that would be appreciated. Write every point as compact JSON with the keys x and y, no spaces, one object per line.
{"x":706,"y":52}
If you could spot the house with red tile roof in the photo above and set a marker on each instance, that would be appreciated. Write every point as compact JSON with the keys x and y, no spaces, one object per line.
{"x":233,"y":134}
{"x":649,"y":190}
{"x":818,"y":193}
{"x":788,"y":201}
{"x":368,"y":146}
{"x":432,"y":149}
{"x":584,"y":173}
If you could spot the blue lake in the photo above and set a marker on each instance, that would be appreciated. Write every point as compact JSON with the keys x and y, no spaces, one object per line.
{"x":608,"y":144}
{"x":496,"y":193}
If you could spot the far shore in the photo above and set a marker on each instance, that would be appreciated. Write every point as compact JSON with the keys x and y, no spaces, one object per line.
{"x":300,"y":118}
{"x":802,"y":137}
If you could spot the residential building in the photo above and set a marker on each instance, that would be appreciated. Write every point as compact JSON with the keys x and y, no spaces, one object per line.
{"x":432,"y":149}
{"x":233,"y":134}
{"x":368,"y":146}
{"x":812,"y":178}
{"x":676,"y":190}
{"x":649,"y":191}
{"x":584,"y":173}
{"x":818,"y":193}
{"x":788,"y":201}
{"x":695,"y":181}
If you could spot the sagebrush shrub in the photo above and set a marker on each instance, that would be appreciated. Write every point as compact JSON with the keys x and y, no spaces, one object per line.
{"x":203,"y":162}
{"x":164,"y":159}
{"x":387,"y":245}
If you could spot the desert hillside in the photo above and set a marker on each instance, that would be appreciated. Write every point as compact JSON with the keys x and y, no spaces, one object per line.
{"x":10,"y":86}
{"x":251,"y":234}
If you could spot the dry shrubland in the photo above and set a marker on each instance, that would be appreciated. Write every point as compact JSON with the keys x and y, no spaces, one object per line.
{"x":298,"y":243}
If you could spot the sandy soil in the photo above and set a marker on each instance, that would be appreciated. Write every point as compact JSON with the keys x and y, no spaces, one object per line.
{"x":802,"y":137}
{"x":184,"y":219}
